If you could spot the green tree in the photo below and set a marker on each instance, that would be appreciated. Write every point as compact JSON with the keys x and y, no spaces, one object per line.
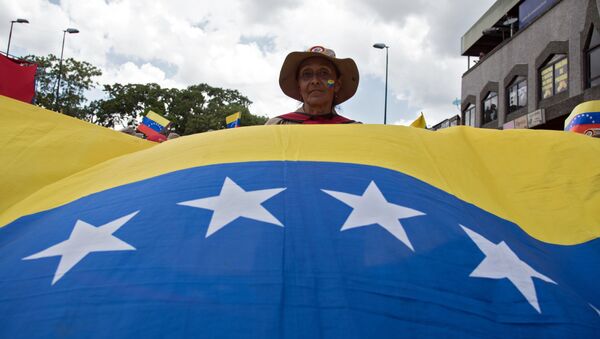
{"x":77,"y":77}
{"x":198,"y":108}
{"x":126,"y":104}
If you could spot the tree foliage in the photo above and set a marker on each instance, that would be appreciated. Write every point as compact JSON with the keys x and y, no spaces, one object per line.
{"x":198,"y":108}
{"x":77,"y":77}
{"x":195,"y":109}
{"x":125,"y":104}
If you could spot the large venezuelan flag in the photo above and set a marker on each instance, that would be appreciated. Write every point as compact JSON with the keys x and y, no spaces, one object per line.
{"x":296,"y":232}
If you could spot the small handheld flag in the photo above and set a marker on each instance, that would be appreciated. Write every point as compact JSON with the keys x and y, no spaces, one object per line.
{"x":152,"y":125}
{"x":233,"y":120}
{"x":419,"y":122}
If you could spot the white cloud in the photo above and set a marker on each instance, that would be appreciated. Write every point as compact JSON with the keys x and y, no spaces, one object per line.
{"x":241,"y":44}
{"x":402,"y":122}
{"x":134,"y":74}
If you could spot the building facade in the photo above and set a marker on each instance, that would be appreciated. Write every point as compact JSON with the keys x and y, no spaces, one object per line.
{"x":538,"y":60}
{"x":450,"y":122}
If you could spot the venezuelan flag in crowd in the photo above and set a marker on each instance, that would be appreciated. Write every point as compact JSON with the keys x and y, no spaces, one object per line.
{"x":233,"y":120}
{"x":152,"y":126}
{"x":296,"y":232}
{"x":585,"y":118}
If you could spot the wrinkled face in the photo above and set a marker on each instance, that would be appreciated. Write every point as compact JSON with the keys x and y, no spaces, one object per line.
{"x":318,"y":82}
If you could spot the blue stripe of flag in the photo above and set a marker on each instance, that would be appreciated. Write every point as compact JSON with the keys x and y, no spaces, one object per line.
{"x":152,"y":124}
{"x":584,"y":119}
{"x":310,"y":278}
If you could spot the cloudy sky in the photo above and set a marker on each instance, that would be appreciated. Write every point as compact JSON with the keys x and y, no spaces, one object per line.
{"x":241,"y":44}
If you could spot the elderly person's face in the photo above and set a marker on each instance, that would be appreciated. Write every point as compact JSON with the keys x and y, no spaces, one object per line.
{"x":318,"y":82}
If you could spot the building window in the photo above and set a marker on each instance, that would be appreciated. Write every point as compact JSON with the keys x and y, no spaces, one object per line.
{"x":593,"y":59}
{"x":490,"y":107}
{"x":517,"y":94}
{"x":554,"y":76}
{"x":470,"y":115}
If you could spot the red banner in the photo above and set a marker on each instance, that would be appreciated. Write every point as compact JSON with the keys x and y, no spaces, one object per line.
{"x":17,"y":79}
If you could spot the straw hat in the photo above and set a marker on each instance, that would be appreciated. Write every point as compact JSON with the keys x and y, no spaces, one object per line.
{"x":348,"y":73}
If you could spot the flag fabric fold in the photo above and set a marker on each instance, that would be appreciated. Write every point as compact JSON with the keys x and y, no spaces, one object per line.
{"x":40,"y":147}
{"x":302,"y":231}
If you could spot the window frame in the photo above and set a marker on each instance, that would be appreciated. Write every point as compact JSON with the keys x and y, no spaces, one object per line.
{"x":488,"y":97}
{"x":517,"y":80}
{"x":588,"y":57}
{"x":553,"y":60}
{"x":470,"y":109}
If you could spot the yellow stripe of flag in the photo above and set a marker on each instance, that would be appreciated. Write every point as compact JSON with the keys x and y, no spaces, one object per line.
{"x":558,"y":206}
{"x":231,"y":118}
{"x":159,"y":119}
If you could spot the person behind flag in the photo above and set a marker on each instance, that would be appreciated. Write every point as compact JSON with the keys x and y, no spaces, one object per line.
{"x":320,"y":81}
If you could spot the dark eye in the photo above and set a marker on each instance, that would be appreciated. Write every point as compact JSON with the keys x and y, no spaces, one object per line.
{"x":306,"y":75}
{"x":324,"y":74}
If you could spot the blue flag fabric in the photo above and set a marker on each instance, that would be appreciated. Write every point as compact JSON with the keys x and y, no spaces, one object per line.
{"x":298,"y":258}
{"x":152,"y":124}
{"x":233,"y":120}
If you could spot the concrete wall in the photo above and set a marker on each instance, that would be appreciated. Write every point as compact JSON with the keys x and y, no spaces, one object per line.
{"x":564,"y":23}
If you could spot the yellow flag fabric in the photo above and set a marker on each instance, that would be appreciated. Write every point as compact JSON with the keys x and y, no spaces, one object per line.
{"x":158,"y":118}
{"x":419,"y":122}
{"x":231,"y":118}
{"x":546,"y":182}
{"x":40,"y":147}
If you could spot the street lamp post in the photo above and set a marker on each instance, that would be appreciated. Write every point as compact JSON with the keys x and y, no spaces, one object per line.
{"x":382,"y":46}
{"x":19,"y":21}
{"x":70,"y":31}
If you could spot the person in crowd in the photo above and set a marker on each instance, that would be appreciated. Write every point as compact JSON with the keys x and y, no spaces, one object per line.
{"x":320,"y":81}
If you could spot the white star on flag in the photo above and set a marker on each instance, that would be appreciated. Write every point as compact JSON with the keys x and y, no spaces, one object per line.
{"x":372,"y":208}
{"x":85,"y":239}
{"x":234,"y":202}
{"x":501,"y":262}
{"x":595,"y":309}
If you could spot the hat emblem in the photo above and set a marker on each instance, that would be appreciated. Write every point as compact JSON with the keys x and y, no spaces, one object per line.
{"x":322,"y":50}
